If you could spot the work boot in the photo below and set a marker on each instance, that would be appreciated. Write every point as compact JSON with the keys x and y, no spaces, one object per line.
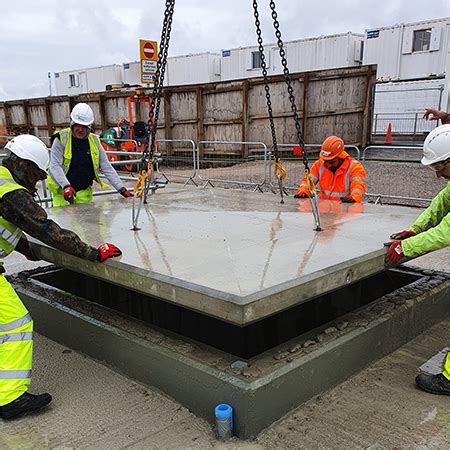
{"x":25,"y":404}
{"x":435,"y":384}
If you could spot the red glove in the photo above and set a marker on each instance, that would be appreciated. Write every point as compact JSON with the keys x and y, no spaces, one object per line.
{"x":106,"y":251}
{"x":394,"y":254}
{"x":69,"y":193}
{"x":125,"y":192}
{"x":405,"y":234}
{"x":300,"y":195}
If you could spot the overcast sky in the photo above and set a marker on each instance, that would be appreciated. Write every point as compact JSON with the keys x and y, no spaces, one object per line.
{"x":37,"y":37}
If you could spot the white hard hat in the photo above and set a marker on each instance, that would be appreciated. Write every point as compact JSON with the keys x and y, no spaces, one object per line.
{"x":82,"y":114}
{"x":437,"y":145}
{"x":31,"y":148}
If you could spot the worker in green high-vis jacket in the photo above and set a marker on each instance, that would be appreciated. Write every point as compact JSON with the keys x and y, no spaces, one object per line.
{"x":431,"y":231}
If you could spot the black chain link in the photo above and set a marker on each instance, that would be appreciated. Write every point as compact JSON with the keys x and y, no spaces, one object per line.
{"x":159,"y":75}
{"x":266,"y":81}
{"x":288,"y":80}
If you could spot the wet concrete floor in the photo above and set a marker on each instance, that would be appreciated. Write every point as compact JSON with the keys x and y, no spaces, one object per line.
{"x":235,"y":243}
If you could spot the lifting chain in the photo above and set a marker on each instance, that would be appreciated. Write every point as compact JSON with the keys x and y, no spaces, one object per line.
{"x":279,"y":171}
{"x":150,"y":157}
{"x":311,"y":185}
{"x":160,"y":71}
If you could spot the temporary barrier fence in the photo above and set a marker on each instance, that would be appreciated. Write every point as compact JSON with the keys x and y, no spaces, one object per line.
{"x":250,"y":171}
{"x":178,"y":165}
{"x":254,"y":172}
{"x":393,"y":153}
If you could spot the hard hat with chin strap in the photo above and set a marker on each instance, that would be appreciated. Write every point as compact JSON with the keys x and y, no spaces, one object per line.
{"x":82,"y":114}
{"x":436,"y":147}
{"x":331,"y":148}
{"x":29,"y":147}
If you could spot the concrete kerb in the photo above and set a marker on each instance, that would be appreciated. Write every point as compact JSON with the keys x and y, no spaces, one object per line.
{"x":258,"y":398}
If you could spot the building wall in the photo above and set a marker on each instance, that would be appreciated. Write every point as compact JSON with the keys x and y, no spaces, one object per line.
{"x":82,"y":81}
{"x":391,"y":48}
{"x":192,"y":69}
{"x":324,"y":52}
{"x":181,"y":70}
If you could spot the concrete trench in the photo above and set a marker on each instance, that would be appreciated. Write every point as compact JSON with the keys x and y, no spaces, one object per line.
{"x":289,"y":357}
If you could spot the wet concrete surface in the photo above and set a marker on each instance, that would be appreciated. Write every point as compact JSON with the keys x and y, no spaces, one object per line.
{"x":236,"y":255}
{"x":234,"y":241}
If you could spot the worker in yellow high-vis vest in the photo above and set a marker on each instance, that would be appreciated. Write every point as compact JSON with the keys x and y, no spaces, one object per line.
{"x":25,"y":165}
{"x":76,"y":160}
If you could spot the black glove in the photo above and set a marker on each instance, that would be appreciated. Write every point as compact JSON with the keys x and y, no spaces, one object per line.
{"x":348,"y":200}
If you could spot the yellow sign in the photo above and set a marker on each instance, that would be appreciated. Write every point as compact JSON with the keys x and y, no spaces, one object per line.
{"x":149,"y":59}
{"x":149,"y":50}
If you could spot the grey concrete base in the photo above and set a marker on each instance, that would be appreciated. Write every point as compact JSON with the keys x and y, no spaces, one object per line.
{"x":298,"y":370}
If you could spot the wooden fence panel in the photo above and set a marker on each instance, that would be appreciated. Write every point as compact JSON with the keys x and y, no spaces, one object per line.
{"x":336,"y":101}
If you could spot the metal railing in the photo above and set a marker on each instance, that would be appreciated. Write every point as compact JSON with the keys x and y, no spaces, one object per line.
{"x":410,"y":124}
{"x":217,"y":170}
{"x":179,"y":166}
{"x":394,"y":153}
{"x":254,"y":171}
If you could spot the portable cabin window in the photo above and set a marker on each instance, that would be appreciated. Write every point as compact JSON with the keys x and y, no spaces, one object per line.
{"x":73,"y":80}
{"x":256,"y":60}
{"x":422,"y":39}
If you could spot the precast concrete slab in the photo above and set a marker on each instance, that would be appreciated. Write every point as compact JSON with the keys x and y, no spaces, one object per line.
{"x":263,"y":388}
{"x":233,"y":255}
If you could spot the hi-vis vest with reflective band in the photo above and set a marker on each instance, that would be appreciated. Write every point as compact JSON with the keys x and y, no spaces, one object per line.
{"x":347,"y":181}
{"x":66,"y":142}
{"x":9,"y":233}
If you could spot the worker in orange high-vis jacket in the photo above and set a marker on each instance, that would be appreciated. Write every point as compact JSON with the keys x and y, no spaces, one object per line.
{"x":337,"y":175}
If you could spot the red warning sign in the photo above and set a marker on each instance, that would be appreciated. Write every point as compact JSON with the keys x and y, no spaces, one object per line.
{"x":149,"y":50}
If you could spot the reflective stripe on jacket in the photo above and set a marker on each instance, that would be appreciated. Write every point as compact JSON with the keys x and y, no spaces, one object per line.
{"x":432,"y":227}
{"x":9,"y":233}
{"x":347,"y":181}
{"x":65,"y":137}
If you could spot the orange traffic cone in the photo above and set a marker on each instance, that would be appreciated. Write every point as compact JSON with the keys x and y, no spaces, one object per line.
{"x":388,"y":140}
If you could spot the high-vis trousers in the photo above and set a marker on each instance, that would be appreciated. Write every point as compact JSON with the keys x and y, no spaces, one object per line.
{"x":16,"y":344}
{"x":446,"y":371}
{"x":83,"y":196}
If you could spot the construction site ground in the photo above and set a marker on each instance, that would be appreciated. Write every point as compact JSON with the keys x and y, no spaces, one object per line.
{"x":96,"y":407}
